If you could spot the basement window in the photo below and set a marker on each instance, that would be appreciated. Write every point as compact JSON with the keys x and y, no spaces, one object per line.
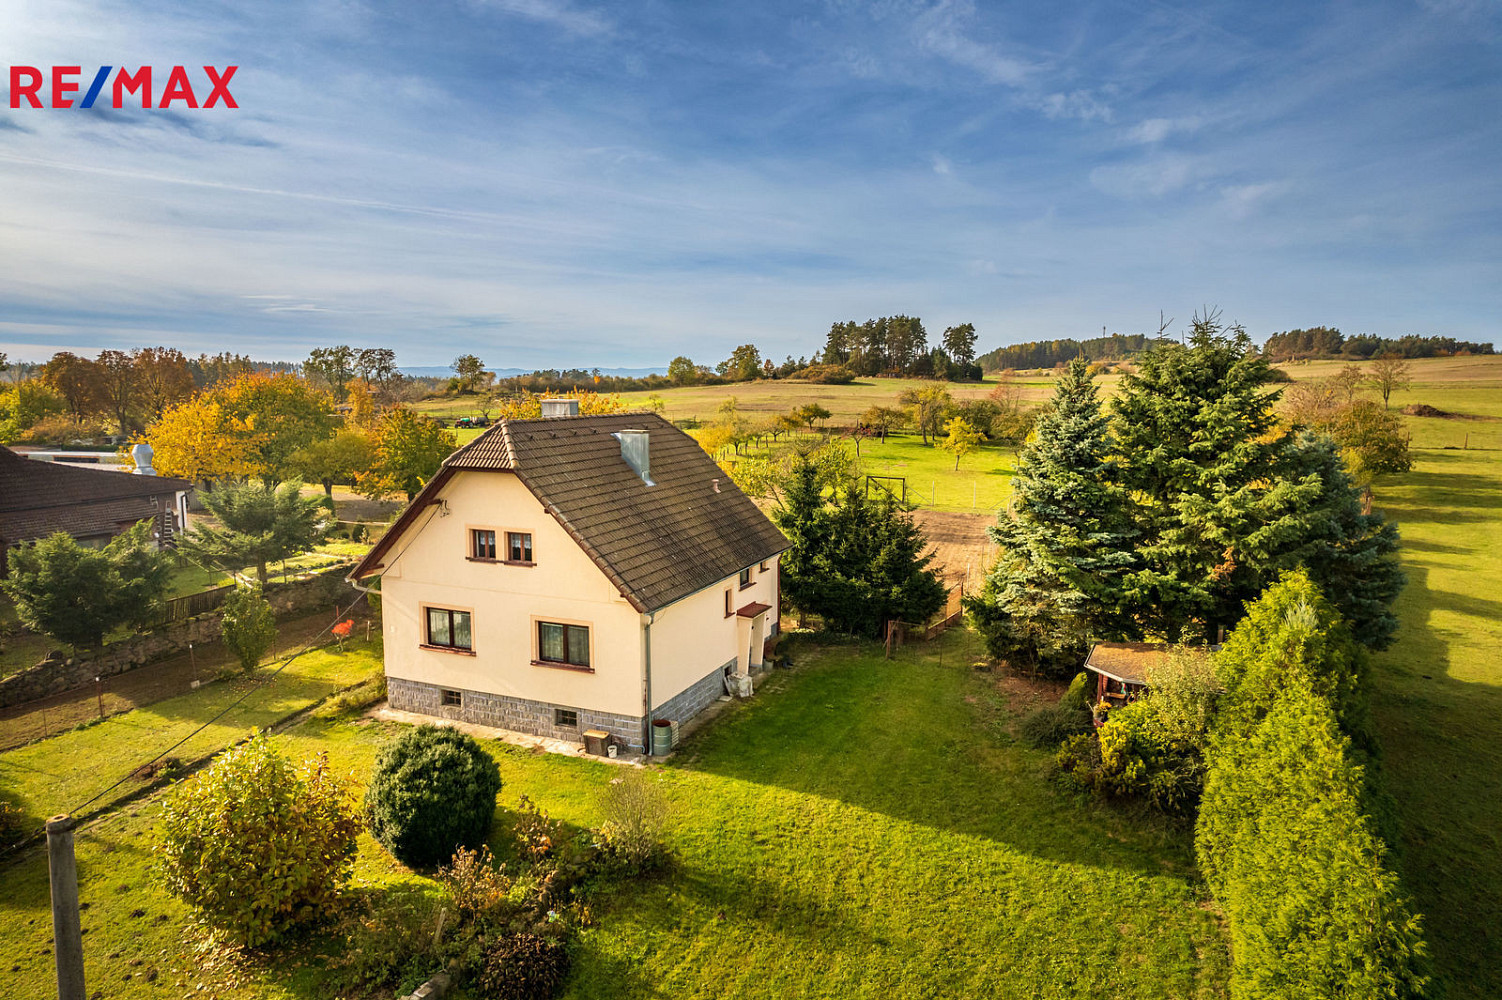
{"x":452,"y":698}
{"x":565,"y":718}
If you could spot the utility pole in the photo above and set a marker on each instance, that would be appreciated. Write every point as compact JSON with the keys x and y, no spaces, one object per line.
{"x":67,"y":935}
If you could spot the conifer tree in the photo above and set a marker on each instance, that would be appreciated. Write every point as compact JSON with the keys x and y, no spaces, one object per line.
{"x":1199,"y":447}
{"x":1066,"y":544}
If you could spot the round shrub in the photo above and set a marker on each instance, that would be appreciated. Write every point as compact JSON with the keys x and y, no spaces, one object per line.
{"x":256,"y":845}
{"x":433,"y":792}
{"x":524,"y":967}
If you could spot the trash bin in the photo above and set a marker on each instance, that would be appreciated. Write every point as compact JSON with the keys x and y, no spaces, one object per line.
{"x":597,"y":742}
{"x":662,"y":737}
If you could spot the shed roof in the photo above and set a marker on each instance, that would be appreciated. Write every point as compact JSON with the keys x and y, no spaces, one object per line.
{"x":40,"y":498}
{"x":1127,"y":661}
{"x":657,"y":544}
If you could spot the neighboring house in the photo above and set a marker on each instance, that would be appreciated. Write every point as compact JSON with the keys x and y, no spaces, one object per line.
{"x":93,"y":505}
{"x":573,"y":573}
{"x":1121,"y":669}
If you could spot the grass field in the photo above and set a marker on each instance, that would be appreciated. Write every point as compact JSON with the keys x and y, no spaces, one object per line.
{"x":57,"y":774}
{"x":862,"y":828}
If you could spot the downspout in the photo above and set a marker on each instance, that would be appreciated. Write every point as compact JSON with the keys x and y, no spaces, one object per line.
{"x":647,"y":705}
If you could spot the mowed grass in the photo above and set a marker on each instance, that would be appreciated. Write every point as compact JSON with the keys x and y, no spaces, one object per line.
{"x":1438,"y":698}
{"x":60,"y":773}
{"x":862,"y":828}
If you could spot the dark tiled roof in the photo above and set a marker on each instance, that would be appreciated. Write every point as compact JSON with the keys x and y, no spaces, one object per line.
{"x":40,"y":498}
{"x":1127,"y":661}
{"x":657,"y":543}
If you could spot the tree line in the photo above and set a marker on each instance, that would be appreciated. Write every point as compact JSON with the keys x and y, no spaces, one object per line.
{"x":1049,"y":353}
{"x":1328,"y":342}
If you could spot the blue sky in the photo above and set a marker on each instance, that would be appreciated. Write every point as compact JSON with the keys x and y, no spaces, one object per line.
{"x":550,"y":182}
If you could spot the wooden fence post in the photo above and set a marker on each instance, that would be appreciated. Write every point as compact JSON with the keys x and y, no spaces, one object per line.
{"x":67,"y":935}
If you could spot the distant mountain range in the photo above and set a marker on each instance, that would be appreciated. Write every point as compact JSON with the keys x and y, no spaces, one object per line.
{"x":443,"y":371}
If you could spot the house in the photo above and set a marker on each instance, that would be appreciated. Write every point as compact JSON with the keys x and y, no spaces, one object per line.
{"x":571,"y":573}
{"x":1121,"y":669}
{"x":40,"y":498}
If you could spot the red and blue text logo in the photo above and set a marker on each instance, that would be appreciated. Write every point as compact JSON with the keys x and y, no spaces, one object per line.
{"x":60,"y":88}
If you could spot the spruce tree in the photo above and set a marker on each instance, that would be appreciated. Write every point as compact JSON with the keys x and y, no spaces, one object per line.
{"x":1199,"y":450}
{"x":1067,"y":543}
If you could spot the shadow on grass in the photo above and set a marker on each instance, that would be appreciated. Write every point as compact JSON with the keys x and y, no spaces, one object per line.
{"x":902,"y":738}
{"x":1442,"y":764}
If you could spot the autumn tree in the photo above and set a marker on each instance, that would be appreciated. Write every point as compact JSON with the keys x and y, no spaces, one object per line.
{"x":960,"y":439}
{"x":163,"y":379}
{"x":333,"y":366}
{"x":335,"y":460}
{"x":249,"y":625}
{"x":200,"y":440}
{"x":409,"y":449}
{"x":1390,"y":374}
{"x":256,"y":525}
{"x":24,"y":403}
{"x":883,"y":420}
{"x":283,"y":414}
{"x":376,"y":367}
{"x":77,"y":380}
{"x":118,"y":380}
{"x":929,"y":407}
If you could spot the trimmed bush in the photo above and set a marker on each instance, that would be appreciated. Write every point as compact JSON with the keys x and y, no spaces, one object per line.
{"x":1283,"y":842}
{"x":256,"y":845}
{"x":249,"y":625}
{"x":433,"y":791}
{"x":524,"y":967}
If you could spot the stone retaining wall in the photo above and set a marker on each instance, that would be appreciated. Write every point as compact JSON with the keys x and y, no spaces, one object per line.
{"x":59,"y":673}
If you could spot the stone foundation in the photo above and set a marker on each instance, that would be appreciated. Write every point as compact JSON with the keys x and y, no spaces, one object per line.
{"x":523,"y":715}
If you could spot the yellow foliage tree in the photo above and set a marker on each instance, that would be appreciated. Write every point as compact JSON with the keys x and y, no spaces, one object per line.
{"x":961,"y":439}
{"x":528,"y":406}
{"x":199,"y":440}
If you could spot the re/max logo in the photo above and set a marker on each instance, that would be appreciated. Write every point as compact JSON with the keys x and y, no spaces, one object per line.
{"x":26,"y":83}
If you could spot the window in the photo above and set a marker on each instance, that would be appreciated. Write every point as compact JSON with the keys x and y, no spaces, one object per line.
{"x":448,"y":628}
{"x":453,"y":697}
{"x":519,"y":546}
{"x":745,"y":577}
{"x":729,"y":610}
{"x":563,"y":644}
{"x":764,"y":567}
{"x":565,"y":718}
{"x":481,"y":543}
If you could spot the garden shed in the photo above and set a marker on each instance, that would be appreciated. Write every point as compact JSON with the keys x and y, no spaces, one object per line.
{"x":1121,"y":668}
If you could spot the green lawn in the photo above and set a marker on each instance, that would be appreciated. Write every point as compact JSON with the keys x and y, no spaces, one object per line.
{"x":862,"y":828}
{"x":57,"y":774}
{"x":1438,"y":701}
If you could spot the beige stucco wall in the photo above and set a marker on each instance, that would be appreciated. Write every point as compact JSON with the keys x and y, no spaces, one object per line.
{"x":429,"y":566}
{"x":692,"y":637}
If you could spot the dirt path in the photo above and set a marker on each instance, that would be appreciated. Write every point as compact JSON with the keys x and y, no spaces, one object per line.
{"x":959,"y":543}
{"x":151,"y":683}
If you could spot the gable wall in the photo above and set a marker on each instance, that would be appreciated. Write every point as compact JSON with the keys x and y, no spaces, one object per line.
{"x":429,"y":566}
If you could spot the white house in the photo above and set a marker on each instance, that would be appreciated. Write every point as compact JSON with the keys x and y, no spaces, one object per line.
{"x":573,"y":573}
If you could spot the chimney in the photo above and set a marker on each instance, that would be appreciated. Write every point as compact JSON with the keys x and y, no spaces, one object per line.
{"x":141,"y":455}
{"x":635,"y":451}
{"x":563,"y":406}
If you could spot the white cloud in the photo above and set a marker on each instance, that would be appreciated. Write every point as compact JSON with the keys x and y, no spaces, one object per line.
{"x":940,"y":30}
{"x":559,"y":13}
{"x":1150,"y":178}
{"x":1155,"y":130}
{"x":1244,"y":199}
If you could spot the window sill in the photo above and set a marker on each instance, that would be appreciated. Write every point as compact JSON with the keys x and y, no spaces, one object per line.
{"x":481,"y":559}
{"x":748,"y":586}
{"x":517,"y":562}
{"x":460,"y":650}
{"x":563,"y":666}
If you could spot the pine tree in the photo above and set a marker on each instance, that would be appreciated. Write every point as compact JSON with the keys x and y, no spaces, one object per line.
{"x":1066,"y":545}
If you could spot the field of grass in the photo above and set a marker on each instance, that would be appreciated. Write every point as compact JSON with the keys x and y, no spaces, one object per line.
{"x":862,"y":828}
{"x":1438,"y":700}
{"x":57,"y":774}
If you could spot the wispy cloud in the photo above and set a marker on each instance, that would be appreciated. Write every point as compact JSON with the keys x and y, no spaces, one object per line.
{"x":558,"y":13}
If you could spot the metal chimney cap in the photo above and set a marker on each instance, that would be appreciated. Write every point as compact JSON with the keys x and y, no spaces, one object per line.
{"x":559,"y":406}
